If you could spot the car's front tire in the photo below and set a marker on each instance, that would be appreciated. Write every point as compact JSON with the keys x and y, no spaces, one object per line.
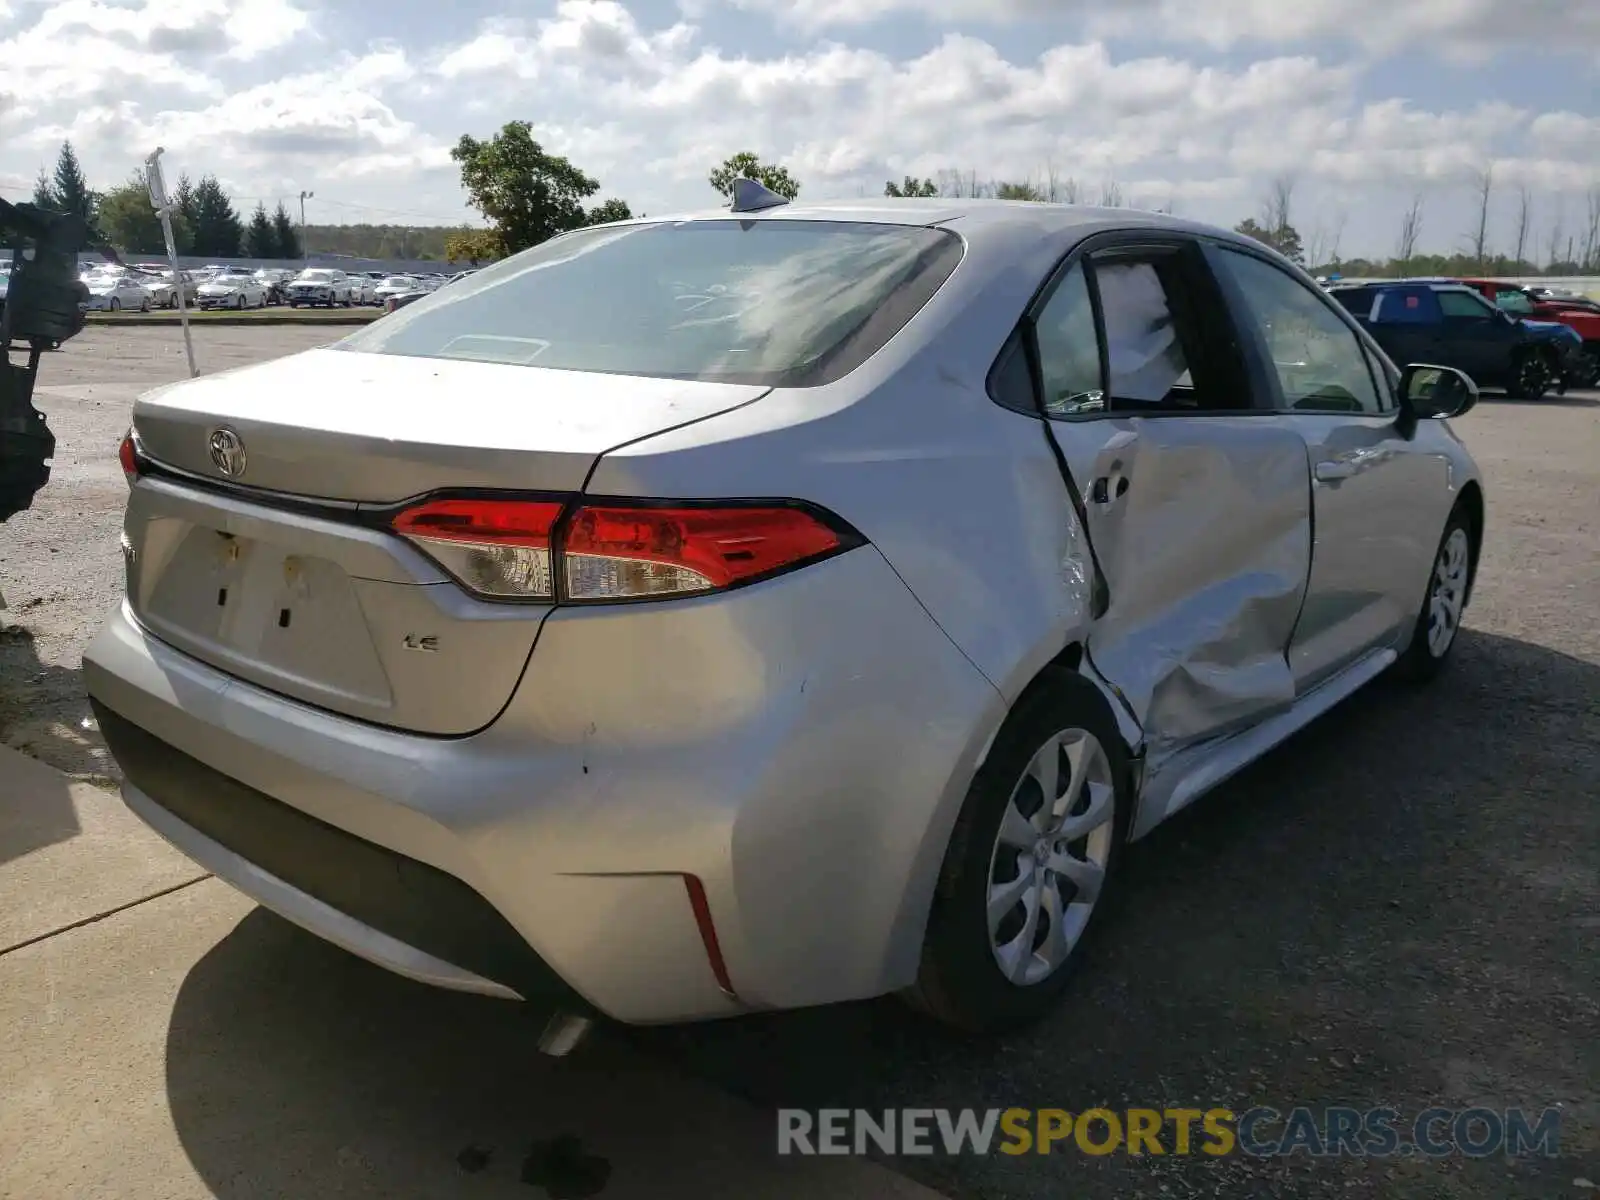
{"x":1028,"y":863}
{"x":115,"y":305}
{"x":1434,"y":635}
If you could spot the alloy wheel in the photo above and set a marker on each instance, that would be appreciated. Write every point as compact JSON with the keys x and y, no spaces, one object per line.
{"x":1050,"y":857}
{"x":1532,"y":376}
{"x":1448,"y":592}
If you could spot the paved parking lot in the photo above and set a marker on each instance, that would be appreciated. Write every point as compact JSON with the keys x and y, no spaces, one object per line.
{"x":1398,"y":908}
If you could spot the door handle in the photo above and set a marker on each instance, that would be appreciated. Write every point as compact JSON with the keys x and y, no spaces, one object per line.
{"x":1332,"y":471}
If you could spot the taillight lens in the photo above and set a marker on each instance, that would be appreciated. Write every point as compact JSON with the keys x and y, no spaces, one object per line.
{"x":128,"y":456}
{"x":624,"y":553}
{"x":499,"y":548}
{"x":518,"y":549}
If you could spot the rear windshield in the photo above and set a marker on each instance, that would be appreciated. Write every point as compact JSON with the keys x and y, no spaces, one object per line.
{"x":775,"y":303}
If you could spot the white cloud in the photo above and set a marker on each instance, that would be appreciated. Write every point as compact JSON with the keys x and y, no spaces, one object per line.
{"x":277,"y":95}
{"x":1456,"y":27}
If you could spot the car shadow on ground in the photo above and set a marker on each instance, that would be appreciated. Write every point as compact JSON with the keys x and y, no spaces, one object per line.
{"x":40,"y":812}
{"x":44,"y":709}
{"x":1390,"y":910}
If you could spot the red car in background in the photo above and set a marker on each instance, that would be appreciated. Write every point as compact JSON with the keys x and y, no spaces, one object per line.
{"x":1575,"y":312}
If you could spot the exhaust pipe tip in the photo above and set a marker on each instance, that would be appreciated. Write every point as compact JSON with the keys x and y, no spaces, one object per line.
{"x":563,"y":1033}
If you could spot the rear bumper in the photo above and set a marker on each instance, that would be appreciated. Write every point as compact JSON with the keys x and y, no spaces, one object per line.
{"x":402,"y":914}
{"x":800,"y":748}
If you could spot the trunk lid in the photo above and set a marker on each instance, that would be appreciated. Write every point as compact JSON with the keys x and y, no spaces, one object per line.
{"x":343,"y":425}
{"x":321,"y":606}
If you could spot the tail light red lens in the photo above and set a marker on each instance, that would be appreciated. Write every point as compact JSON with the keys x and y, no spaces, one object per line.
{"x":499,"y":548}
{"x":625,"y":553}
{"x":520,"y":549}
{"x":128,"y":456}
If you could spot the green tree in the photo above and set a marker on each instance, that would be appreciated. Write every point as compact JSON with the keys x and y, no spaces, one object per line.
{"x":71,"y":189}
{"x":911,"y":188}
{"x":217,"y":231}
{"x":1285,"y":239}
{"x":260,"y":238}
{"x":473,"y":246}
{"x":285,"y":237}
{"x":1017,"y":191}
{"x":129,"y":222}
{"x":610,"y":210}
{"x":44,"y":192}
{"x":746,"y":165}
{"x":185,"y":202}
{"x":528,"y":195}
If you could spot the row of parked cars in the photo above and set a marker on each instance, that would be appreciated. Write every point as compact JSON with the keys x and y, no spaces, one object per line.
{"x":146,"y":286}
{"x":1525,"y":340}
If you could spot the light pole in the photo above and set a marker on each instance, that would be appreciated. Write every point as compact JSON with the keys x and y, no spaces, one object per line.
{"x":305,"y":251}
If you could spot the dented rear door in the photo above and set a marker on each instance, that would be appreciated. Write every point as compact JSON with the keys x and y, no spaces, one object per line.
{"x":1202,"y":528}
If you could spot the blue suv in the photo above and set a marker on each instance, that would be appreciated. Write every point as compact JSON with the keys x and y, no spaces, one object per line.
{"x":1451,"y":325}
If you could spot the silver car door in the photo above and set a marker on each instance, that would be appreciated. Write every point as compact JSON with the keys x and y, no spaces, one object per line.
{"x":1196,"y":504}
{"x":1379,"y":498}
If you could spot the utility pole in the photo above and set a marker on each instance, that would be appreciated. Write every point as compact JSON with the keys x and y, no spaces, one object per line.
{"x":305,"y":251}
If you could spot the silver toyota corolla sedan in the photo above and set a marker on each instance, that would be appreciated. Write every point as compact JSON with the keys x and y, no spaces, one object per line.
{"x":771,"y":606}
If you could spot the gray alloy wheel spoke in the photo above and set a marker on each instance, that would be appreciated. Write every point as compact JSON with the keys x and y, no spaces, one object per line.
{"x":1086,"y":876}
{"x":1058,"y":942}
{"x":1003,"y":897}
{"x":1102,"y":802}
{"x":1016,"y":831}
{"x":1046,"y":772}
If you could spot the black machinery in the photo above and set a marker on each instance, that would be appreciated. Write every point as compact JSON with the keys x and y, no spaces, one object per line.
{"x":43,"y":306}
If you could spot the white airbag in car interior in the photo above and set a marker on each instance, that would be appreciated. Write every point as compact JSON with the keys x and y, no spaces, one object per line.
{"x":1141,"y":340}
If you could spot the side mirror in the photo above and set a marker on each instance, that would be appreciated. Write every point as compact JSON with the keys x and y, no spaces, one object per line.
{"x":1436,"y":393}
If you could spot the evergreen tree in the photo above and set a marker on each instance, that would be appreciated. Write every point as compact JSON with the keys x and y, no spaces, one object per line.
{"x":261,"y":239}
{"x":71,"y":190}
{"x":217,"y":230}
{"x":44,"y":192}
{"x":186,"y":203}
{"x":288,"y":238}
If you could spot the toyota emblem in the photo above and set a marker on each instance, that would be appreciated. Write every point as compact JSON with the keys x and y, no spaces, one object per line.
{"x":227,"y":452}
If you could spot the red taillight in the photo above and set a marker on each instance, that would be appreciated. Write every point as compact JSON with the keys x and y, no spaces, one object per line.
{"x":128,"y":456}
{"x":500,"y":548}
{"x":626,"y":552}
{"x":518,"y":549}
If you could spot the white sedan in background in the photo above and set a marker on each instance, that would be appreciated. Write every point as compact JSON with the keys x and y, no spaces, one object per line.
{"x":110,"y":292}
{"x":232,"y":289}
{"x":397,"y":285}
{"x":363,"y":289}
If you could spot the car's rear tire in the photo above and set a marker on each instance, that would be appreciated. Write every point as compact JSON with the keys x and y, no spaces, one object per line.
{"x":1008,"y":920}
{"x":1587,"y":374}
{"x":1438,"y":624}
{"x":115,"y":305}
{"x":1531,"y":377}
{"x":144,"y":304}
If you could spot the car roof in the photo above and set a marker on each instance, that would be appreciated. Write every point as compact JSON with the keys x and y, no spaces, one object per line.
{"x":935,"y":211}
{"x":1003,"y":235}
{"x":1437,"y":285}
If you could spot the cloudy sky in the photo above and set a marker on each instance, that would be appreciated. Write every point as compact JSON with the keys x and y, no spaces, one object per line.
{"x":1197,"y":102}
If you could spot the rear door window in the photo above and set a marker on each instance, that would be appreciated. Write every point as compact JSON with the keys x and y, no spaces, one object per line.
{"x":777,"y":303}
{"x":1407,"y":306}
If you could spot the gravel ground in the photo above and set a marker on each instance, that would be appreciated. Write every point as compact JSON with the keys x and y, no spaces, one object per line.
{"x":1398,"y":908}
